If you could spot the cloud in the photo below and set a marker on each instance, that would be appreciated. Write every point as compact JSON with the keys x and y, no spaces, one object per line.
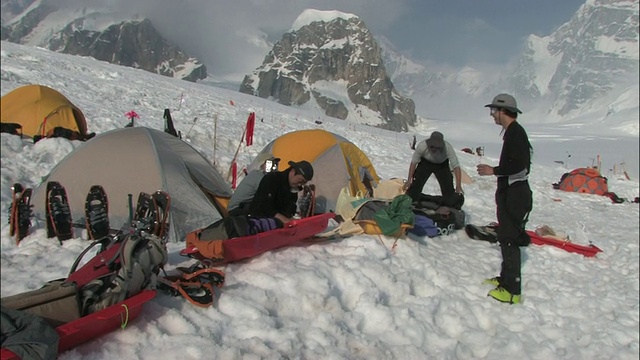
{"x":234,"y":36}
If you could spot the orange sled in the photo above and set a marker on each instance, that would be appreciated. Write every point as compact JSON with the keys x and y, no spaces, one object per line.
{"x":239,"y":248}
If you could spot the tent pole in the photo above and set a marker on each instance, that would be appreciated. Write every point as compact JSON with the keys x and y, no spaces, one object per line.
{"x":215,"y":131}
{"x":235,"y":156}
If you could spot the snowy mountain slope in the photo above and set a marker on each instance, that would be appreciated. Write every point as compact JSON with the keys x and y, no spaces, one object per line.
{"x":557,"y":78}
{"x":355,"y":298}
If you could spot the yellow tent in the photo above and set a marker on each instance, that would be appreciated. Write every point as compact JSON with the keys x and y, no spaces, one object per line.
{"x":40,"y":109}
{"x":336,"y":161}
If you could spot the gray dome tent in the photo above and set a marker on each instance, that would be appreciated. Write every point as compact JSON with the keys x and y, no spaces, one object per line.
{"x":133,"y":160}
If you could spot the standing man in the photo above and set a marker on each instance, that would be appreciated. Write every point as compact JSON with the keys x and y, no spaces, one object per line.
{"x":513,"y":197}
{"x":434,"y":156}
{"x":242,"y":196}
{"x":277,"y":194}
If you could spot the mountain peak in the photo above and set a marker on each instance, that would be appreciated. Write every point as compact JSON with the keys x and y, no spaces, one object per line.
{"x":558,"y":76}
{"x":332,"y":63}
{"x":309,"y":16}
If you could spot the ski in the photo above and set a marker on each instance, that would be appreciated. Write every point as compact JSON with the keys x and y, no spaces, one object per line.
{"x":163,"y":203}
{"x":20,"y":212}
{"x":96,"y":209}
{"x":58,"y":213}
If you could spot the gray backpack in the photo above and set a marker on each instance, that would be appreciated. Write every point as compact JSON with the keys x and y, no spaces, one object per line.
{"x":136,"y":266}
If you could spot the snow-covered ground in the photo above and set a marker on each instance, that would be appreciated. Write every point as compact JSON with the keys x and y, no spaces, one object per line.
{"x":354,"y":298}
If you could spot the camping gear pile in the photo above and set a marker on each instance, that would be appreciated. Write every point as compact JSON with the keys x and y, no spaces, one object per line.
{"x":102,"y":295}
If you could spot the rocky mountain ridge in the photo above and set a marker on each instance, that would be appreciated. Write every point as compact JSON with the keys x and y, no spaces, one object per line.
{"x":337,"y":66}
{"x":96,"y":33}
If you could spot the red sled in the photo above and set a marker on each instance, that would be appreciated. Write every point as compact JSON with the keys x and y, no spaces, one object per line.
{"x":239,"y":248}
{"x":6,"y":354}
{"x":68,"y":305}
{"x":97,"y":324}
{"x":586,"y":250}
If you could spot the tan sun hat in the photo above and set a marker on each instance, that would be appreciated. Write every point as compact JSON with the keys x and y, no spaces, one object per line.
{"x":436,"y":140}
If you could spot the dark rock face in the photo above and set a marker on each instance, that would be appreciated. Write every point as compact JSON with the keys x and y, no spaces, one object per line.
{"x":133,"y":44}
{"x":129,"y":43}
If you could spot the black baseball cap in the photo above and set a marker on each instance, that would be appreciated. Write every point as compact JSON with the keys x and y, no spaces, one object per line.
{"x":304,"y":168}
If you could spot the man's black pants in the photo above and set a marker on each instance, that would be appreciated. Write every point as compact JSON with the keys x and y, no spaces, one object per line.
{"x":514,"y":203}
{"x":423,"y":172}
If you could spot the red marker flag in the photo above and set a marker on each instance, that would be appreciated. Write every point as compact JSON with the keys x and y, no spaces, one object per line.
{"x":251,"y":122}
{"x":234,"y":179}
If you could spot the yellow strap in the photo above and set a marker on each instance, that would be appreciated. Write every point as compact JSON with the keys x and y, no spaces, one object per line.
{"x":124,"y":320}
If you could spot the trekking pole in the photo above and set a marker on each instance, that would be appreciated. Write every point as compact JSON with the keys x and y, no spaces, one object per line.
{"x":192,"y":125}
{"x":215,"y":132}
{"x":236,"y":154}
{"x":180,"y":101}
{"x":130,"y":208}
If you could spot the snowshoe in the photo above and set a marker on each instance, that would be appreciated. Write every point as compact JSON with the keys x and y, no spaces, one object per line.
{"x":58,"y":213}
{"x":163,"y":204}
{"x":145,"y":216}
{"x":20,"y":216}
{"x":307,"y":201}
{"x":16,"y":190}
{"x":96,"y":209}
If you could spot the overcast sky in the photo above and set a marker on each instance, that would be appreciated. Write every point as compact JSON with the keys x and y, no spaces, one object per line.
{"x":233,"y":36}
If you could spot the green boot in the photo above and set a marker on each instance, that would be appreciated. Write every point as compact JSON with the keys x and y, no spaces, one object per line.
{"x":495,"y":281}
{"x":504,"y":296}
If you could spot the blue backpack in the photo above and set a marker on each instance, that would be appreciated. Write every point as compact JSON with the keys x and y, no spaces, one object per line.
{"x":424,"y":226}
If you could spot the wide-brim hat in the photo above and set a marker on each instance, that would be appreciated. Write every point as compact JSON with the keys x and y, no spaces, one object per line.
{"x":436,"y":140}
{"x":504,"y":101}
{"x":303,"y":167}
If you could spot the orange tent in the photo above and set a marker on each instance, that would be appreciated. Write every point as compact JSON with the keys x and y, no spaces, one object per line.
{"x":584,"y":180}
